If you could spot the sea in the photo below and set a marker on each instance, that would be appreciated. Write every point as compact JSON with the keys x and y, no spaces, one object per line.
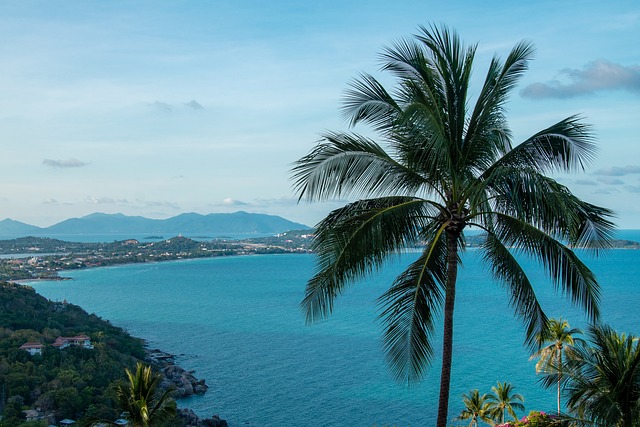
{"x":236,"y":321}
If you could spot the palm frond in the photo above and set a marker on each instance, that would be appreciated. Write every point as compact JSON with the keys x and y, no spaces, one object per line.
{"x":562,"y":265}
{"x":344,"y":165}
{"x":355,"y":240}
{"x":409,"y":308}
{"x":421,"y":127}
{"x":551,"y":207}
{"x":498,"y":83}
{"x":488,"y":136}
{"x":453,"y":62}
{"x":605,"y":383}
{"x":566,"y":146}
{"x":368,"y":101}
{"x":507,"y":269}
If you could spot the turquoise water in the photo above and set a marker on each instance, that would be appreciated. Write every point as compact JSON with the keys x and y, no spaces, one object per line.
{"x":236,"y":321}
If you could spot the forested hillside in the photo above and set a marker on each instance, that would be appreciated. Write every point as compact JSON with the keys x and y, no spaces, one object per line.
{"x":73,"y":382}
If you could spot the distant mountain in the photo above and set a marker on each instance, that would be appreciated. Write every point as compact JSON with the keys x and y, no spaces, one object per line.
{"x":9,"y":226}
{"x":187,"y":224}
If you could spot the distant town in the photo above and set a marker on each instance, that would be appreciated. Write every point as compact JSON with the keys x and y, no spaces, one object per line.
{"x":33,"y":258}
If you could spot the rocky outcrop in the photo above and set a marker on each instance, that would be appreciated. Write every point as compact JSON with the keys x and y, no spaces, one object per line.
{"x":192,"y":420}
{"x":185,"y":382}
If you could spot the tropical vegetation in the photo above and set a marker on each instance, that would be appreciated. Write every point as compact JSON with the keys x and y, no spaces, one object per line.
{"x":476,"y":408}
{"x":604,"y":380}
{"x":144,"y":401}
{"x":74,"y":383}
{"x":444,"y":164}
{"x":601,"y":384}
{"x":555,"y":346}
{"x":504,"y":401}
{"x":536,"y":419}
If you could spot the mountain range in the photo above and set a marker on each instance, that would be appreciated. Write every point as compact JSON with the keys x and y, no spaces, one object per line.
{"x":186,"y":224}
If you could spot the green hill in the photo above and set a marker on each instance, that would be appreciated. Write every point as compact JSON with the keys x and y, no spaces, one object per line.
{"x":73,"y":382}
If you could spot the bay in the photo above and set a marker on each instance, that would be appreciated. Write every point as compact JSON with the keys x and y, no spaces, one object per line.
{"x":237,"y":322}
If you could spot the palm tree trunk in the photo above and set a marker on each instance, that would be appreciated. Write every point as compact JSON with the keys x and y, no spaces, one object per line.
{"x":447,"y":341}
{"x":559,"y":376}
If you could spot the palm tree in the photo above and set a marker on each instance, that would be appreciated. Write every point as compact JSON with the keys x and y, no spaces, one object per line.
{"x":504,"y":401}
{"x":145,"y":402}
{"x":555,"y":343}
{"x":476,"y":408}
{"x":605,"y":384}
{"x":448,"y":166}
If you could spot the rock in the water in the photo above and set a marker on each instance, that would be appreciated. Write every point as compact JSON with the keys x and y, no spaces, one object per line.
{"x":192,"y":420}
{"x":200,"y":389}
{"x":185,"y":382}
{"x":186,"y":389}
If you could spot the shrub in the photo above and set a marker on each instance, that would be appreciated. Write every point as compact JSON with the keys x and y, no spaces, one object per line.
{"x":534,"y":419}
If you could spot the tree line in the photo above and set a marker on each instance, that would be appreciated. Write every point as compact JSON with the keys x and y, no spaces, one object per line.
{"x":599,"y":378}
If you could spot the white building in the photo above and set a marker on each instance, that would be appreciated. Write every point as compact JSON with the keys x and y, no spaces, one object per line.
{"x":78,"y":341}
{"x":32,"y":348}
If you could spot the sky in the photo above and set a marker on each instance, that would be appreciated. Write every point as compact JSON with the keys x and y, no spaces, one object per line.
{"x":156,"y":108}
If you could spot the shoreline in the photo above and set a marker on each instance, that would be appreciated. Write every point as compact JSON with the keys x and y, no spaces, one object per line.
{"x":79,"y":256}
{"x":183,"y":381}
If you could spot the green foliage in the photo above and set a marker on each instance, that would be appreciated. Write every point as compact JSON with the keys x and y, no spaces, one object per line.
{"x":143,"y":400}
{"x":12,"y":414}
{"x":536,"y":419}
{"x":443,"y":164}
{"x":604,"y":380}
{"x":504,"y":401}
{"x":476,"y":408}
{"x":556,"y":349}
{"x":74,"y":382}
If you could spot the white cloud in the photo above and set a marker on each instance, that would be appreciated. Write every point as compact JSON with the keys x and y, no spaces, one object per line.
{"x":161,"y":106}
{"x":618,"y":171}
{"x":194,"y":105}
{"x":632,"y":188}
{"x":55,"y":202}
{"x":610,"y":181}
{"x":585,"y":182}
{"x":596,"y":76}
{"x":231,"y":202}
{"x":166,"y":107}
{"x":69,"y":163}
{"x":106,"y":201}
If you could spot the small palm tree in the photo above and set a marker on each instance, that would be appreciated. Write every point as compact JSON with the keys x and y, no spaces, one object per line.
{"x":555,"y":345}
{"x":605,"y":382}
{"x":504,"y":401}
{"x":144,"y":401}
{"x":476,"y":408}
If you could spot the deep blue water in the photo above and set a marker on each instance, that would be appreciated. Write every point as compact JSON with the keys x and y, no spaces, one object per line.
{"x":236,"y":321}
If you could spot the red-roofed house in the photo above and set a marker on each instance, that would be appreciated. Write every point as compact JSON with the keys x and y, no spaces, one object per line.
{"x":78,"y":341}
{"x":32,"y":347}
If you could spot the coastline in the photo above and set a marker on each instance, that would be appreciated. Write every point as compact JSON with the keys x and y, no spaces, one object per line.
{"x":183,"y":382}
{"x":60,"y":256}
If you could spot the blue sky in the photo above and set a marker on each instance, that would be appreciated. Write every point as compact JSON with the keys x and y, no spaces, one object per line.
{"x":156,"y":108}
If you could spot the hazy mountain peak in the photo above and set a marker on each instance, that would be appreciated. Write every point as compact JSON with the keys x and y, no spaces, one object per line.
{"x":189,"y":223}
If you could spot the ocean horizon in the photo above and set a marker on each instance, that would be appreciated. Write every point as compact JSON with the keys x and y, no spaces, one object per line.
{"x":237,"y":322}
